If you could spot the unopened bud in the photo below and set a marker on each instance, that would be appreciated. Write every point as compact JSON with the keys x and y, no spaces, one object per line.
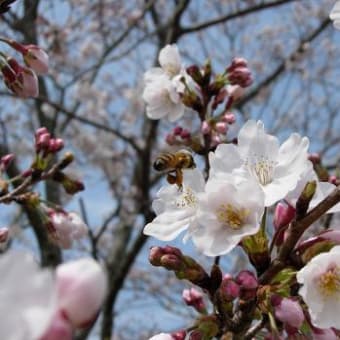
{"x":333,"y":179}
{"x":177,"y":130}
{"x":237,"y":62}
{"x":179,"y":335}
{"x":195,"y":73}
{"x":170,"y":139}
{"x":205,"y":128}
{"x":5,"y":161}
{"x":229,"y":118}
{"x":247,"y":280}
{"x":42,"y":141}
{"x":221,"y":127}
{"x":288,"y":311}
{"x":284,"y":214}
{"x":229,"y":290}
{"x":55,"y":145}
{"x":306,"y":196}
{"x":240,"y":76}
{"x":66,"y":161}
{"x":314,"y":158}
{"x":194,"y":298}
{"x":185,"y":134}
{"x":4,"y":234}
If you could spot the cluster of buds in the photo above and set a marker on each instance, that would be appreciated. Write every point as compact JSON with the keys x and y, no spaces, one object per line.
{"x":216,"y":129}
{"x":185,"y":267}
{"x":22,"y":79}
{"x":45,"y":144}
{"x":178,"y":136}
{"x":238,"y":73}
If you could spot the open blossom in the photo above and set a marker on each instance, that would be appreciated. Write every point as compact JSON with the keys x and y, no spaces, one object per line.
{"x":227,"y":213}
{"x":27,"y":294}
{"x":276,"y":168}
{"x":162,"y":86}
{"x":67,"y":227}
{"x":320,"y":280}
{"x":176,"y":209}
{"x":335,"y":15}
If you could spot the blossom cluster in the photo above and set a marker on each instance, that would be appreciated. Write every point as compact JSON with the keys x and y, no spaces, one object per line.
{"x":227,"y":204}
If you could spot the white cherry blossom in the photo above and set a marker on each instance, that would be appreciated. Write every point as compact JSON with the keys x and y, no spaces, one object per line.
{"x":335,"y":15}
{"x":229,"y":210}
{"x":276,"y":168}
{"x":163,"y":86}
{"x":176,"y":208}
{"x":320,"y":279}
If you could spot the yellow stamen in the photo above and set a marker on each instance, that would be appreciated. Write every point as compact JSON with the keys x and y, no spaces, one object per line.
{"x":329,"y":282}
{"x":231,"y":216}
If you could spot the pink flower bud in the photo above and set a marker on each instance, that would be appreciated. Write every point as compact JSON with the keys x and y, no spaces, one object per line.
{"x":237,"y":63}
{"x":177,"y":130}
{"x":185,"y":134}
{"x":40,"y":132}
{"x":289,"y":311}
{"x":81,"y":287}
{"x":229,"y":118}
{"x":324,"y":334}
{"x":205,"y":128}
{"x":5,"y":161}
{"x":333,"y":179}
{"x":155,"y":256}
{"x":36,"y":58}
{"x":179,"y":335}
{"x":4,"y":235}
{"x":235,"y":92}
{"x":56,"y":144}
{"x":43,"y":141}
{"x":194,"y":298}
{"x":221,"y":127}
{"x":314,"y":158}
{"x":246,"y":279}
{"x":60,"y":328}
{"x":240,"y":76}
{"x":215,"y":140}
{"x":170,"y":139}
{"x":230,"y":289}
{"x":284,"y":214}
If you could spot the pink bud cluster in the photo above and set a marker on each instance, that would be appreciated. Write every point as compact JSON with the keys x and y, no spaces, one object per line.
{"x":217,"y":129}
{"x":178,"y":135}
{"x":239,"y":73}
{"x":22,"y":80}
{"x":45,"y":144}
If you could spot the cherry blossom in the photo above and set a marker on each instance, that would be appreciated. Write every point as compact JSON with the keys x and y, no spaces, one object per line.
{"x":227,"y":213}
{"x":276,"y":168}
{"x":176,"y":208}
{"x":162,"y":86}
{"x":320,"y":280}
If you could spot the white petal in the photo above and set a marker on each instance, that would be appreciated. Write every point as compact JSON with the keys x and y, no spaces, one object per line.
{"x":170,"y":60}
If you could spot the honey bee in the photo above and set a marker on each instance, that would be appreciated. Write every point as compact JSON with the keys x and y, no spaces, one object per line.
{"x":173,"y":164}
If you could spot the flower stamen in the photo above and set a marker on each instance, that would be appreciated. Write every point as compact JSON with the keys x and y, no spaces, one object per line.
{"x":231,"y":216}
{"x":187,"y":199}
{"x":329,"y":282}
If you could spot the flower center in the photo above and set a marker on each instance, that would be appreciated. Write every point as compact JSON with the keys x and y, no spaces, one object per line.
{"x":187,"y":199}
{"x":231,"y":216}
{"x":262,"y":168}
{"x":329,"y":282}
